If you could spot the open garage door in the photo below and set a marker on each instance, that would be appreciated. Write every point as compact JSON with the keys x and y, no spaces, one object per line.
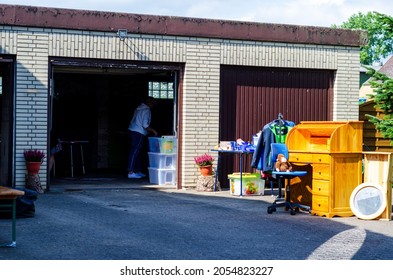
{"x":92,"y":103}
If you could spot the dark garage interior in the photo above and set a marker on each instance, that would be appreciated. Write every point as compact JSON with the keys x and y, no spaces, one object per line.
{"x":96,"y":105}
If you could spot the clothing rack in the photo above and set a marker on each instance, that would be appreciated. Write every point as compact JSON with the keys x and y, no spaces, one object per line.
{"x":274,"y":132}
{"x":280,"y":123}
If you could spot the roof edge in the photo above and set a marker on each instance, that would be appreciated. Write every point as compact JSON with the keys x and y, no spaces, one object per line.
{"x":46,"y":17}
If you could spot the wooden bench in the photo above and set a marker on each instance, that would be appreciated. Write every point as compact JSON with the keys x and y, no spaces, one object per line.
{"x":10,"y":195}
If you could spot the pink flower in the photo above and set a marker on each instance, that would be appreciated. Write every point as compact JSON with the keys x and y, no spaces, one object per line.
{"x":204,"y":160}
{"x":34,"y":155}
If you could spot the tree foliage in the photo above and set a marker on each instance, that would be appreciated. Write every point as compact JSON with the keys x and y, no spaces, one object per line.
{"x":383,"y":97}
{"x":380,"y":45}
{"x":380,"y":35}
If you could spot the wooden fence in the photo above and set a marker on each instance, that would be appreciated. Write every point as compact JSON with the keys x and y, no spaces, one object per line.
{"x":372,"y":139}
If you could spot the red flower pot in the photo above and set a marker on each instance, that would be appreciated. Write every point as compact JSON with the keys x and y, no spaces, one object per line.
{"x":33,"y":167}
{"x":206,"y":170}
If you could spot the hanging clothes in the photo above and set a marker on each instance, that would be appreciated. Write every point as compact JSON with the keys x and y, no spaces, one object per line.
{"x":273,"y":132}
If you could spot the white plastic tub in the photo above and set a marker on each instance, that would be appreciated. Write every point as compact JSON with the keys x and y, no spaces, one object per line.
{"x":162,"y":176}
{"x":162,"y":161}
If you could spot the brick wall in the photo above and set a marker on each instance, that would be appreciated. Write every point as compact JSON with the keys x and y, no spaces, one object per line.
{"x":31,"y":102}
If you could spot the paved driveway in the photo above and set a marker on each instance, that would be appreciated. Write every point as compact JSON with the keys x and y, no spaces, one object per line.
{"x":137,"y":222}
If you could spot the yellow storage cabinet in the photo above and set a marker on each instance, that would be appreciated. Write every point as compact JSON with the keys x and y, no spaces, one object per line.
{"x":334,"y":151}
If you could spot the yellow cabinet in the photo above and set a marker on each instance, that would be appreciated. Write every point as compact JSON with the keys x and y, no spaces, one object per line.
{"x":321,"y":171}
{"x":320,"y":187}
{"x":333,"y":152}
{"x":320,"y":204}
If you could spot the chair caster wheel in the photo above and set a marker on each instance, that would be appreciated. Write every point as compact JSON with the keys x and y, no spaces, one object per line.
{"x":270,"y":210}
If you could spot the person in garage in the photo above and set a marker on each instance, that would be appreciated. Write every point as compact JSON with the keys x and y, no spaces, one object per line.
{"x":138,"y":129}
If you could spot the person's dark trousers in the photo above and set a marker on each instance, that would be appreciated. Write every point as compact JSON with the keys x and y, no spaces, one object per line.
{"x":134,"y":159}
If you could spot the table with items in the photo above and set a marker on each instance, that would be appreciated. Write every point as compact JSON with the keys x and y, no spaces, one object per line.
{"x":239,"y":149}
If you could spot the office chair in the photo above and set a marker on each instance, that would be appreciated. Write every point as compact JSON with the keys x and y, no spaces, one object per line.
{"x":276,"y":149}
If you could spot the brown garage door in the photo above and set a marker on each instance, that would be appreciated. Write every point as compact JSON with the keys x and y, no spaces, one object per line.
{"x":251,"y":97}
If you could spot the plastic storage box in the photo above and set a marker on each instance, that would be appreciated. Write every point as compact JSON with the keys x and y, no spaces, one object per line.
{"x":162,"y":176}
{"x":162,"y":161}
{"x":164,"y":144}
{"x":252,"y":184}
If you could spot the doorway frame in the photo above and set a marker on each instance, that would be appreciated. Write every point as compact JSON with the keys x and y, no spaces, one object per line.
{"x":75,"y":63}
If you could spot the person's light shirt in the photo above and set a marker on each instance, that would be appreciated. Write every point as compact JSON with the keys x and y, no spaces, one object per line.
{"x":141,"y":119}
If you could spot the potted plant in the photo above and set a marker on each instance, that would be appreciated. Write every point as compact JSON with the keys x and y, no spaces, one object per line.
{"x":205,"y":164}
{"x":34,"y":159}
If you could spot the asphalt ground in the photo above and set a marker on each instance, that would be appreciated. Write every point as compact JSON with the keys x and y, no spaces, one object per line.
{"x":112,"y":219}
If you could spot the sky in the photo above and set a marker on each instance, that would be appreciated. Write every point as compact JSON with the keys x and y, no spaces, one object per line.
{"x":322,"y":13}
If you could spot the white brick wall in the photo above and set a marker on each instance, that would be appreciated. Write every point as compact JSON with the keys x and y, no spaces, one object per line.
{"x":200,"y":104}
{"x":7,"y":40}
{"x":31,"y":98}
{"x":109,"y":46}
{"x":202,"y":58}
{"x":346,"y":85}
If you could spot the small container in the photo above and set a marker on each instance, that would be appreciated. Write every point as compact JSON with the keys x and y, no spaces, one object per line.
{"x":165,"y":144}
{"x":154,"y":144}
{"x":252,"y":184}
{"x":255,"y":140}
{"x":168,"y":144}
{"x":225,"y":145}
{"x":162,"y":176}
{"x":162,"y":160}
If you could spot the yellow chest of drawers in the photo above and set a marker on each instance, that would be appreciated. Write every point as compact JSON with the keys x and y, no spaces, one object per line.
{"x":333,"y":180}
{"x":334,"y":152}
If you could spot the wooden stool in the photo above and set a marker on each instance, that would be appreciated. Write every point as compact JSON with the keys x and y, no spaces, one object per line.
{"x":11,"y":195}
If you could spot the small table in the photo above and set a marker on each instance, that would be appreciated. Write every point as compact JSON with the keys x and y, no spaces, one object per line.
{"x":72,"y":143}
{"x":10,"y":194}
{"x":238,"y":152}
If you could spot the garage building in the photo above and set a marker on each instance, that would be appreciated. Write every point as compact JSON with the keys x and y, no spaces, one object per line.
{"x":77,"y":74}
